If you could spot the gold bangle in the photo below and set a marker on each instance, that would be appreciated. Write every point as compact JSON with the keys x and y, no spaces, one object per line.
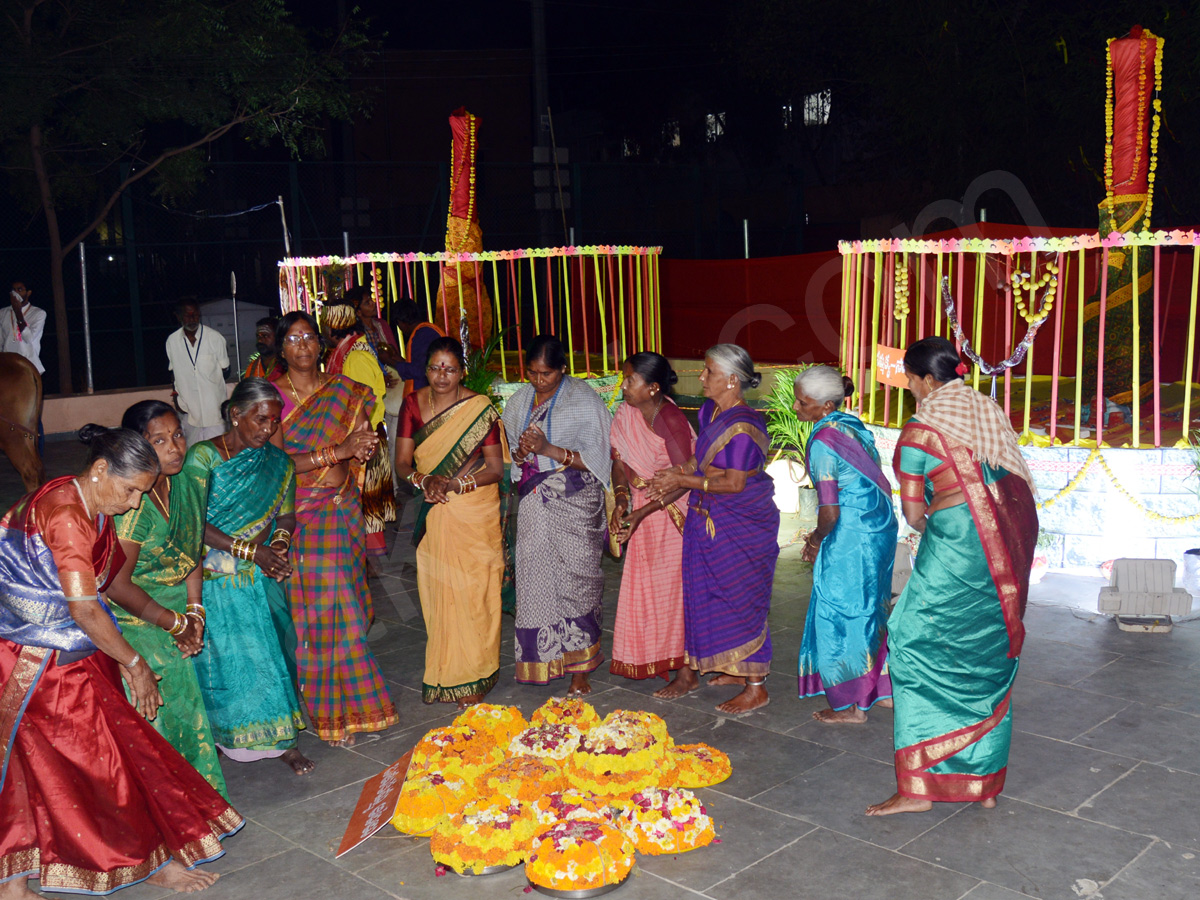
{"x":179,"y":626}
{"x":662,"y":502}
{"x":704,"y":487}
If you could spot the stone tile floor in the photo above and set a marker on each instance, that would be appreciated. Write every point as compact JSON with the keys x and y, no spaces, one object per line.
{"x":1100,"y":801}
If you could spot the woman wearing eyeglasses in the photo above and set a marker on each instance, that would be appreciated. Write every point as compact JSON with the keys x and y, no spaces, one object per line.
{"x":327,"y":433}
{"x":451,"y":447}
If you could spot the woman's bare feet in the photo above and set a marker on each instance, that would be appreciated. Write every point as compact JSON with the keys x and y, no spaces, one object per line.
{"x":684,"y":682}
{"x":300,"y":763}
{"x":898,"y":803}
{"x":727,"y":679}
{"x":469,"y":700}
{"x":579,"y":685}
{"x":17,"y":889}
{"x":753,"y":697}
{"x":989,"y":803}
{"x":851,"y":716}
{"x":348,"y":741}
{"x":885,"y":703}
{"x":175,"y":877}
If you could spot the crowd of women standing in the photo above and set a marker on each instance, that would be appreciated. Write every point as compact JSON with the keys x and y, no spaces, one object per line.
{"x":236,"y":571}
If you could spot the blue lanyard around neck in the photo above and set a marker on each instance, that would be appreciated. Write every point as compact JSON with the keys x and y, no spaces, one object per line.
{"x":549,"y":410}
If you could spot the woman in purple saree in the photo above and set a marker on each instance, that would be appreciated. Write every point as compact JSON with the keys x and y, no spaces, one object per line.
{"x":730,"y":539}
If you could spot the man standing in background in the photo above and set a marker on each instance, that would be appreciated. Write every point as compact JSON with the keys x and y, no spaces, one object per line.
{"x":265,"y":356}
{"x":198,"y":355}
{"x":21,"y":327}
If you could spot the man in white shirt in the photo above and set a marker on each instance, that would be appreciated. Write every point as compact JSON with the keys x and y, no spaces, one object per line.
{"x":198,"y":355}
{"x":21,"y":326}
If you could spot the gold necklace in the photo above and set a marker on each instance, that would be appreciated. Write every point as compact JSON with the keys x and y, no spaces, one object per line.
{"x":662,"y":401}
{"x":432,"y":410}
{"x":295,"y":393}
{"x":225,"y":447}
{"x":165,"y":506}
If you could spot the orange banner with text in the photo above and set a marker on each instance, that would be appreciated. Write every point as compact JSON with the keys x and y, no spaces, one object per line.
{"x":889,"y":366}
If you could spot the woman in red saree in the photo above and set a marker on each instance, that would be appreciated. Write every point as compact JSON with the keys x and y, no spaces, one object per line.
{"x":92,"y":798}
{"x":649,"y":433}
{"x":955,"y":635}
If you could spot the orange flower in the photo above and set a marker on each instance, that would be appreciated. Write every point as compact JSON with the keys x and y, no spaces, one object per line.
{"x":565,"y":711}
{"x":666,"y":821}
{"x":579,"y":855}
{"x":700,"y":765}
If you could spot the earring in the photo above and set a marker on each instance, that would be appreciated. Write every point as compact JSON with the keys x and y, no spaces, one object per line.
{"x":235,"y":423}
{"x":94,"y":478}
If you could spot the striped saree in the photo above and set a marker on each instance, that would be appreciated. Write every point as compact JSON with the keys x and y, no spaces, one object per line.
{"x":330,"y":601}
{"x":464,"y":566}
{"x":956,"y":633}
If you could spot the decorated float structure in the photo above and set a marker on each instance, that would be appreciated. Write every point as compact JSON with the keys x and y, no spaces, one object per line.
{"x":1086,"y":340}
{"x":604,"y":302}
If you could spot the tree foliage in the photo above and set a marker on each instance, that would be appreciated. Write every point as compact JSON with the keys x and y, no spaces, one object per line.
{"x":98,"y":94}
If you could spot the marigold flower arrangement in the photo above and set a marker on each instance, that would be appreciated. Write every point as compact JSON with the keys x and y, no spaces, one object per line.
{"x":615,"y":760}
{"x":492,"y":832}
{"x":500,"y":723}
{"x":579,"y":855}
{"x":699,"y":765}
{"x":563,"y":806}
{"x":634,"y":720}
{"x":670,"y":820}
{"x":566,"y":711}
{"x":427,"y":799}
{"x":555,"y":742}
{"x":521,"y":777}
{"x":455,"y":750}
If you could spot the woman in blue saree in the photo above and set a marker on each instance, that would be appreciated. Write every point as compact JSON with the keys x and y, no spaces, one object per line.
{"x":843,"y":654}
{"x":730,"y":538}
{"x":956,"y":633}
{"x":247,"y":671}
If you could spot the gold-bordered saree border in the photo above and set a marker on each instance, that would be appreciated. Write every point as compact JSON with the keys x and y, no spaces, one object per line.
{"x":983,"y":511}
{"x":755,"y":433}
{"x":469,"y":441}
{"x":678,"y":516}
{"x":22,"y":680}
{"x":358,"y":399}
{"x":912,"y":763}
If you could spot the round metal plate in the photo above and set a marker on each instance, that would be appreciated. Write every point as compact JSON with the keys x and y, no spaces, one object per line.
{"x":487,"y":870}
{"x":581,"y":894}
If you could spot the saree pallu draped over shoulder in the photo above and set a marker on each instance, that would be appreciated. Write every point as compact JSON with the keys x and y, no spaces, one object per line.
{"x":92,"y":798}
{"x":247,"y":671}
{"x":843,"y":654}
{"x":327,"y":591}
{"x":464,"y":560}
{"x":956,"y":632}
{"x":730,"y":545}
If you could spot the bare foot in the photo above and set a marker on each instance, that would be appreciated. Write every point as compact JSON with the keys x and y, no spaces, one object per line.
{"x":469,"y":700}
{"x":989,"y":803}
{"x":347,"y":741}
{"x":300,"y":763}
{"x":579,"y":685}
{"x":753,"y":697}
{"x":850,"y":716}
{"x":17,"y":889}
{"x":898,"y":803}
{"x":885,"y":703}
{"x":727,"y":679}
{"x":684,"y":682}
{"x":175,"y":877}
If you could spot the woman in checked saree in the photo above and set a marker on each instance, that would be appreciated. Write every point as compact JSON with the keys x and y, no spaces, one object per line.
{"x":247,"y":671}
{"x":452,"y":449}
{"x":956,"y":633}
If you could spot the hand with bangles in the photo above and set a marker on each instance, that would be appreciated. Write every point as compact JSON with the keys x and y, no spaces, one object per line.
{"x":359,"y":444}
{"x":665,"y":482}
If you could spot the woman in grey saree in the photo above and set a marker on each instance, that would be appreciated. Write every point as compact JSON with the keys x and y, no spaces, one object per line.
{"x":558,"y":427}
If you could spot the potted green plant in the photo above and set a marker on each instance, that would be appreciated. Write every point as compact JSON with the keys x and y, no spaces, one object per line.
{"x":478,"y":378}
{"x":789,"y":437}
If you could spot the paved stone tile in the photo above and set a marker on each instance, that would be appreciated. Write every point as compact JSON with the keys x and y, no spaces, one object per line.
{"x":761,"y":759}
{"x":1059,"y":775}
{"x":294,"y":875}
{"x":1058,"y":662}
{"x":1059,"y":712}
{"x":681,"y":720}
{"x":822,"y":865}
{"x":1179,"y":647}
{"x":399,"y":638}
{"x":1163,"y":872}
{"x":1028,"y":849}
{"x":747,"y":832}
{"x":1072,"y":626}
{"x":836,"y":793}
{"x":411,"y":875}
{"x":987,"y":891}
{"x":1152,"y":800}
{"x":1146,"y":681}
{"x":874,"y":739}
{"x":249,"y":847}
{"x":1161,"y":736}
{"x":266,"y":785}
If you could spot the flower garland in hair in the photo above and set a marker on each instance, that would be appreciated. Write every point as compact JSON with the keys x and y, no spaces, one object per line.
{"x":988,"y":368}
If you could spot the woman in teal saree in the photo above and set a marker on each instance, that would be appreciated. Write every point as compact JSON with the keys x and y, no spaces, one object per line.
{"x":247,"y":670}
{"x":956,"y":633}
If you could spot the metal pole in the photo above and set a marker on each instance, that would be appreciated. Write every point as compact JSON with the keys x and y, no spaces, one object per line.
{"x":345,"y":245}
{"x":287,"y":240}
{"x":237,"y":341}
{"x":746,"y":236}
{"x":87,"y":325}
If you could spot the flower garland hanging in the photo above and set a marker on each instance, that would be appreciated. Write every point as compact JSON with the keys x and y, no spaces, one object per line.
{"x":900,"y":308}
{"x":1108,"y":135}
{"x":1155,"y":121}
{"x":1030,"y":283}
{"x":987,"y":368}
{"x":468,"y":164}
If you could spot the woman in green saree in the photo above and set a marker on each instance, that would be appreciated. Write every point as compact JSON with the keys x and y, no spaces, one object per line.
{"x":157,"y":592}
{"x":247,"y":671}
{"x":452,"y":448}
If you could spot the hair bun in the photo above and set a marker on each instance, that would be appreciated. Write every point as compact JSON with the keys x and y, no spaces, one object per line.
{"x":755,"y":379}
{"x":91,"y":431}
{"x":225,"y":409}
{"x":848,"y":385}
{"x":672,"y":378}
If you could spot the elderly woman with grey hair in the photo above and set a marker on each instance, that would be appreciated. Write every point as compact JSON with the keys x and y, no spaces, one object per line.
{"x":730,"y":537}
{"x":843,"y":654}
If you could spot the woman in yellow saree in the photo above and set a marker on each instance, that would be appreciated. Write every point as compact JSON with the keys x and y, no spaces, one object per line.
{"x":451,"y":448}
